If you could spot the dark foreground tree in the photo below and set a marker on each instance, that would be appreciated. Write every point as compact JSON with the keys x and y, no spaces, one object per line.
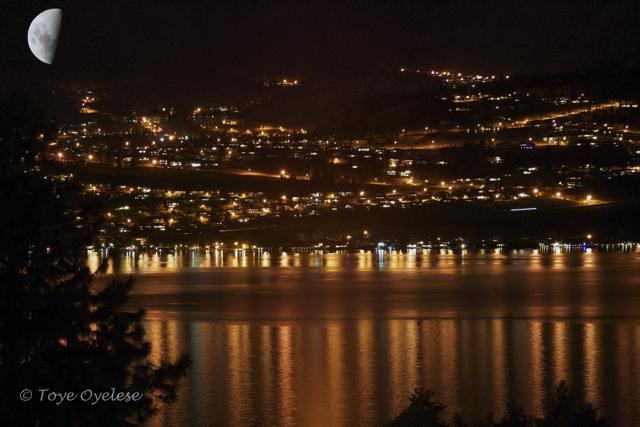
{"x":57,"y":334}
{"x":421,"y":412}
{"x":567,"y":408}
{"x":562,"y":408}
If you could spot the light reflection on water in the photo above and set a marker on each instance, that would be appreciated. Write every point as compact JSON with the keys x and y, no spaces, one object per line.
{"x":343,"y":339}
{"x":361,"y":372}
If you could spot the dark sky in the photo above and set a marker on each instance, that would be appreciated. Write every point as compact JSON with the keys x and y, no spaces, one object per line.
{"x":174,"y":40}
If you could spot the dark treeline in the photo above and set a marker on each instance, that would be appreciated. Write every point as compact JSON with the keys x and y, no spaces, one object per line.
{"x":564,"y":407}
{"x":614,"y":78}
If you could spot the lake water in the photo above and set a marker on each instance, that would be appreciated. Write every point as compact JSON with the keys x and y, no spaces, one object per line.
{"x":342,"y":339}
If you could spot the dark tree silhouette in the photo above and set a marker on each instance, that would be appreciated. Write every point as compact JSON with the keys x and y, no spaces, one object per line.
{"x":564,"y":407}
{"x":421,"y":412}
{"x":57,"y":333}
{"x":567,"y":408}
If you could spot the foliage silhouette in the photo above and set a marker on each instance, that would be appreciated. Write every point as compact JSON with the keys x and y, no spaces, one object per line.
{"x":56,"y":332}
{"x":567,"y":408}
{"x":564,"y":407}
{"x":420,"y":412}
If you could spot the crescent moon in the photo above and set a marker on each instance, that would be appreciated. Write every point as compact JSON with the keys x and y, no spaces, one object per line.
{"x":43,"y":34}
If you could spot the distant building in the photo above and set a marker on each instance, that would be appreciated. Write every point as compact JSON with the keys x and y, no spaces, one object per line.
{"x":527,"y":145}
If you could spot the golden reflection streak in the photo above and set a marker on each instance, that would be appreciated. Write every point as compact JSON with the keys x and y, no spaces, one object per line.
{"x":397,"y":365}
{"x":286,"y":395}
{"x":366,"y":371}
{"x":315,"y":260}
{"x":409,"y":261}
{"x":171,"y":262}
{"x":591,"y":356}
{"x":537,"y":371}
{"x":268,"y":379}
{"x":238,"y":373}
{"x":126,"y":265}
{"x":560,"y":351}
{"x":297,"y":260}
{"x":143,"y":263}
{"x":393,"y":262}
{"x":311,"y":374}
{"x":412,"y":342}
{"x":332,"y":260}
{"x":499,"y":369}
{"x":155,"y":334}
{"x":365,"y":260}
{"x":175,"y":338}
{"x":335,"y":371}
{"x":193,"y":260}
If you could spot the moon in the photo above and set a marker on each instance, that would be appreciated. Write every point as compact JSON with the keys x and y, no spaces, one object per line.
{"x":43,"y":34}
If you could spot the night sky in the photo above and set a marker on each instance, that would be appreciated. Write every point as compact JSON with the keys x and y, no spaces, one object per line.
{"x":169,"y":41}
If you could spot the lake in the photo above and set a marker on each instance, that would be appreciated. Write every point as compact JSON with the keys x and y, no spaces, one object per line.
{"x":342,"y":339}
